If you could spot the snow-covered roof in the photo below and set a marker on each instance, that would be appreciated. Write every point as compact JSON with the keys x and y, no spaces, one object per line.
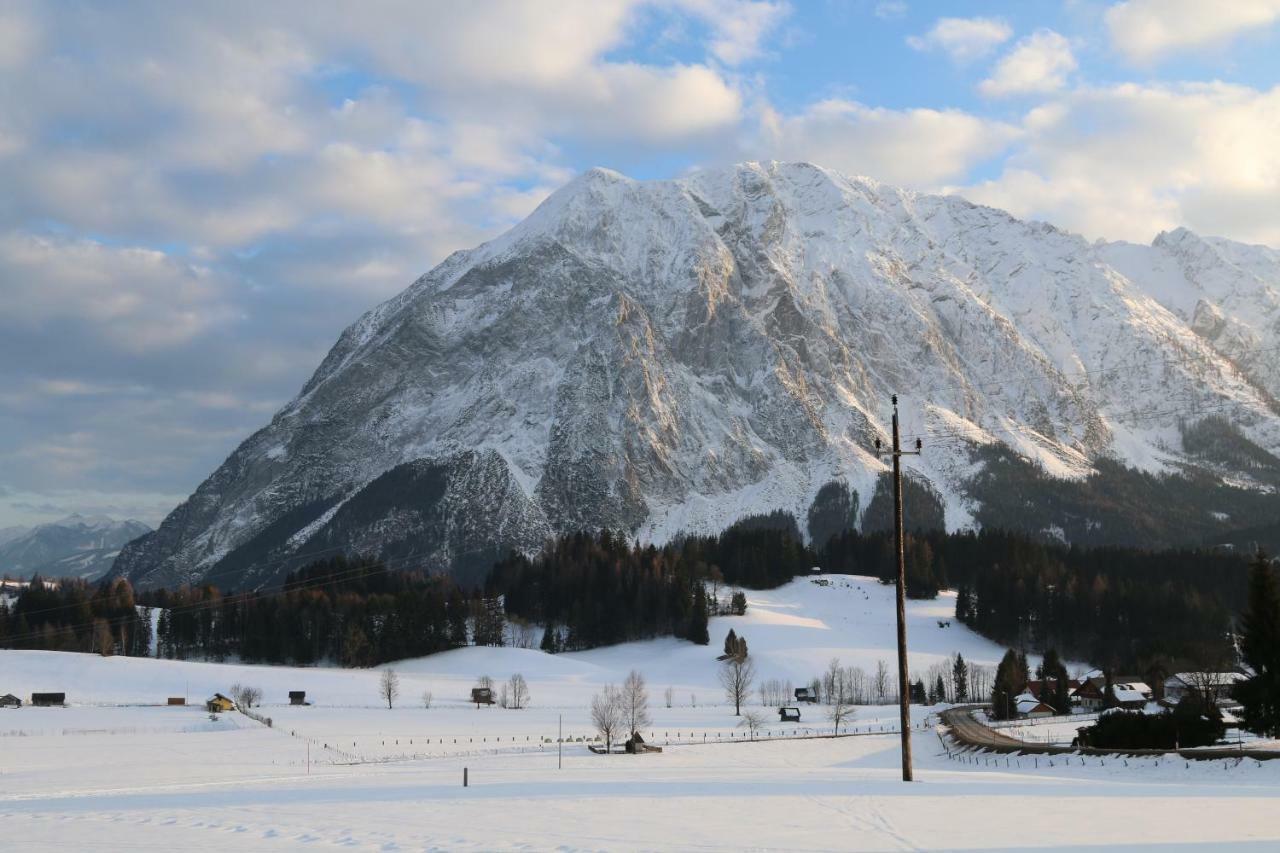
{"x":1216,"y":678}
{"x":1131,"y":692}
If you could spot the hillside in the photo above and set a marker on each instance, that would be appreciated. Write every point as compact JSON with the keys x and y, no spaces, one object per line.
{"x":671,"y":356}
{"x":73,"y":547}
{"x":793,"y":632}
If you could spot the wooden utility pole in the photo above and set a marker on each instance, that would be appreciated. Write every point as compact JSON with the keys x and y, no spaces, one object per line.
{"x":904,"y":687}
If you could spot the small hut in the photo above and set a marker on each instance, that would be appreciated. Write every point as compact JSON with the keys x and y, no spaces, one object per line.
{"x":297,"y":697}
{"x":806,"y":694}
{"x":789,"y":715}
{"x":10,"y":701}
{"x":482,"y":696}
{"x":48,"y":700}
{"x":177,"y":700}
{"x":219,"y":703}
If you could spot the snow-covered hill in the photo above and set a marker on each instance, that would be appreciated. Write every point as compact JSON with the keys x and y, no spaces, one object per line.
{"x":793,"y":633}
{"x":672,"y":355}
{"x":74,"y":547}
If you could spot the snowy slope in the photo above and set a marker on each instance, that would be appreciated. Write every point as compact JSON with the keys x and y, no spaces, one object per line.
{"x":793,"y":633}
{"x":76,"y":547}
{"x":671,"y":355}
{"x":113,"y":773}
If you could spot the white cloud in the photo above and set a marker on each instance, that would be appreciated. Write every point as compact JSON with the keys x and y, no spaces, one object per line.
{"x":1038,"y":63}
{"x":888,"y":10}
{"x":738,"y":28}
{"x":963,"y":39}
{"x":1128,"y":161}
{"x":917,"y":148}
{"x":133,"y":298}
{"x":1147,"y":30}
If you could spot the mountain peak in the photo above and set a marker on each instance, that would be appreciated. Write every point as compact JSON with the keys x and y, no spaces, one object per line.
{"x":659,"y":356}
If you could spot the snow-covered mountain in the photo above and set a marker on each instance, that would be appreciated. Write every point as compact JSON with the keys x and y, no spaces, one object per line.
{"x":77,"y":546}
{"x":672,"y":355}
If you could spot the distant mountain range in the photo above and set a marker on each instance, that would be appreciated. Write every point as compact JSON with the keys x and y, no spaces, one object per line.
{"x":74,"y":547}
{"x":667,"y":356}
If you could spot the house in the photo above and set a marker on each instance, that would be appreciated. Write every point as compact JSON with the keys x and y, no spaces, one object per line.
{"x":789,"y":715}
{"x":806,"y":694}
{"x":1031,"y":707}
{"x":297,"y":697}
{"x":1129,"y":693}
{"x":10,"y":701}
{"x":48,"y":700}
{"x":1220,"y":684}
{"x":218,"y":704}
{"x":482,"y":696}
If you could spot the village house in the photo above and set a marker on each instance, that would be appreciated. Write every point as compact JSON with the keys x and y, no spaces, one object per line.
{"x":1219,"y":684}
{"x":10,"y":701}
{"x":1129,"y":693}
{"x":1030,"y":707}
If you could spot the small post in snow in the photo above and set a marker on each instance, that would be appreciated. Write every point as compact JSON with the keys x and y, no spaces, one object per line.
{"x":464,"y":777}
{"x":560,"y":745}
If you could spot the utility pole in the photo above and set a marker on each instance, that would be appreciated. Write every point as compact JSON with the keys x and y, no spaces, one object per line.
{"x":904,"y":689}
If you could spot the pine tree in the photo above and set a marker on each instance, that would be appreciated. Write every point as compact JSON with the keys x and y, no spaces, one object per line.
{"x":960,"y":678}
{"x":939,"y":690}
{"x":1260,"y":648}
{"x":731,"y":644}
{"x":698,"y":620}
{"x":1011,"y":680}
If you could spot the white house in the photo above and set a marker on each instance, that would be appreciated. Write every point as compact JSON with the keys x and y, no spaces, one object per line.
{"x":1219,"y":683}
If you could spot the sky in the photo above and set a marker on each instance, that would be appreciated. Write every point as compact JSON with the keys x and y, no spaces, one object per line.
{"x":195,"y":199}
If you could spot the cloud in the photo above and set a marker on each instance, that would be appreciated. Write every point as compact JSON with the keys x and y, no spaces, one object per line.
{"x":1038,"y":63}
{"x":889,"y":10}
{"x":918,"y":148}
{"x":738,"y":29}
{"x":1144,"y":31}
{"x":1127,"y":161}
{"x":963,"y":39}
{"x":133,"y":298}
{"x":194,"y":208}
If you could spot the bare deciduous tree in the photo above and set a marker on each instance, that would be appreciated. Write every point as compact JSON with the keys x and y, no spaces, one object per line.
{"x":245,"y":697}
{"x":736,"y":677}
{"x":753,"y":721}
{"x":517,"y":691}
{"x":670,"y":696}
{"x":389,"y":686}
{"x":426,"y":698}
{"x":635,"y":701}
{"x":839,"y":712}
{"x":882,"y":681}
{"x":607,"y":715}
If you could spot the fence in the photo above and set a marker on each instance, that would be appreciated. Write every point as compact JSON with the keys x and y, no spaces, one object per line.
{"x":381,"y":750}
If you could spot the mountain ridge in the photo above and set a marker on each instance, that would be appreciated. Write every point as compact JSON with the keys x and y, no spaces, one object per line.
{"x":672,"y":355}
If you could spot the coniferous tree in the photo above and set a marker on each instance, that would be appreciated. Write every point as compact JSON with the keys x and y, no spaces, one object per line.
{"x":1260,"y":648}
{"x":1011,"y":681}
{"x":960,"y":678}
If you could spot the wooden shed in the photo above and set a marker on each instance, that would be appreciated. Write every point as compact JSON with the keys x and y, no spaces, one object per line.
{"x":10,"y":701}
{"x":482,"y":696}
{"x":48,"y":700}
{"x":789,"y":715}
{"x":297,"y":697}
{"x":177,"y":700}
{"x":219,"y":703}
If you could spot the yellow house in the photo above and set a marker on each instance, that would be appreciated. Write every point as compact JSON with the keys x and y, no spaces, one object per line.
{"x":219,"y":703}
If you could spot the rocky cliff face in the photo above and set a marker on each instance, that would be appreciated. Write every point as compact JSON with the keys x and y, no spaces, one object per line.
{"x":673,"y":355}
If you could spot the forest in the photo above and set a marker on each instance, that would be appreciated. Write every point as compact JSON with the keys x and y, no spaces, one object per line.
{"x":1121,"y":608}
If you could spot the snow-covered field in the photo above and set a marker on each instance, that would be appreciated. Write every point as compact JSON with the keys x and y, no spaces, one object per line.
{"x":118,"y":771}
